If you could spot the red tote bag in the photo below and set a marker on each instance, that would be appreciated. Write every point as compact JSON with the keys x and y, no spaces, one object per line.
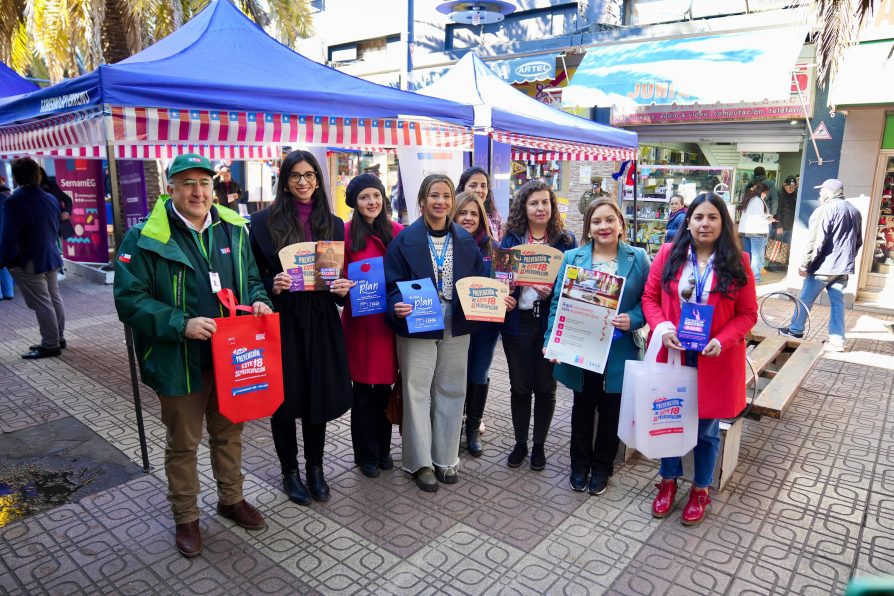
{"x":247,"y":362}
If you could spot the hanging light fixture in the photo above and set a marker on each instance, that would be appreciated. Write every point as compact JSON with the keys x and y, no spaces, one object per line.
{"x":482,"y":12}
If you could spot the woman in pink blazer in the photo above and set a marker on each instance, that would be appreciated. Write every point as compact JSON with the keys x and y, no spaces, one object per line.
{"x":704,"y":265}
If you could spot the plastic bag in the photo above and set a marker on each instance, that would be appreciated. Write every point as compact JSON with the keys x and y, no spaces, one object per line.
{"x":659,"y":403}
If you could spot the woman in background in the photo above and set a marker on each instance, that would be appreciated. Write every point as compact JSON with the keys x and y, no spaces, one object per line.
{"x":476,"y":180}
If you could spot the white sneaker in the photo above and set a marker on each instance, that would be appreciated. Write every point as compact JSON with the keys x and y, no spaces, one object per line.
{"x":831,"y":346}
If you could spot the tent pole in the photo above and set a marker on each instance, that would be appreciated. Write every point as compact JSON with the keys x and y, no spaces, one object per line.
{"x":116,"y":196}
{"x":635,"y":204}
{"x":138,"y":406}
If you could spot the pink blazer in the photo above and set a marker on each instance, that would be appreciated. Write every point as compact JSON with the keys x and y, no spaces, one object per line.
{"x":721,"y":379}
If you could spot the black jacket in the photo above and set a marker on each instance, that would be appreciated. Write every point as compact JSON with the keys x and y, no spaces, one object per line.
{"x":30,"y":229}
{"x":408,"y":258}
{"x":316,"y":380}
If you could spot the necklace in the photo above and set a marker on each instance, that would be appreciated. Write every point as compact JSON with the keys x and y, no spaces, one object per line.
{"x":532,"y":239}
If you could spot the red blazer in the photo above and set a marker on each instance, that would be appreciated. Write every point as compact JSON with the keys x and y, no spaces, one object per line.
{"x":721,"y":380}
{"x":369,"y":340}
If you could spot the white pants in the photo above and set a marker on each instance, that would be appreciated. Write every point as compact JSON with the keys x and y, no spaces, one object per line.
{"x":434,"y":392}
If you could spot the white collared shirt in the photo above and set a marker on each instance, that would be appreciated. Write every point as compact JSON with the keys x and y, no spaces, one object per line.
{"x":189,"y":224}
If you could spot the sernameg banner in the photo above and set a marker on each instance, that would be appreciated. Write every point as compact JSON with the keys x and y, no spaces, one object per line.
{"x":83,"y":180}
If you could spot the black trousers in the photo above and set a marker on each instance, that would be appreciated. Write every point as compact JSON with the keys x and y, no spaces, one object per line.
{"x":370,"y":428}
{"x":285,"y":440}
{"x":589,"y":452}
{"x":529,"y":374}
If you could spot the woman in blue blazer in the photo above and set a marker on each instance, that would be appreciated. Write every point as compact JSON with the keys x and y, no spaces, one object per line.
{"x":433,"y":364}
{"x":602,"y":250}
{"x":534,"y":218}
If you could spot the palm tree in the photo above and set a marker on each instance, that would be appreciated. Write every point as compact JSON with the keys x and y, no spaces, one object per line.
{"x":74,"y":36}
{"x":840,"y":24}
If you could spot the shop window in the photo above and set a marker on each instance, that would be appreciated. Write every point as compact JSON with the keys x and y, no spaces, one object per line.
{"x":883,"y":249}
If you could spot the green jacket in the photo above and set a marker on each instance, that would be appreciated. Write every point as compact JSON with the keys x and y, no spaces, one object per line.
{"x":155,"y":293}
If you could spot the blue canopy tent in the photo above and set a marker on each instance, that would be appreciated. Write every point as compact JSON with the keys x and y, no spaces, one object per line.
{"x":11,"y":83}
{"x":221,"y":86}
{"x":536,"y":130}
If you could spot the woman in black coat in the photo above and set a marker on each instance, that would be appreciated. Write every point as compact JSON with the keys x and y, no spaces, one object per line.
{"x":316,"y":380}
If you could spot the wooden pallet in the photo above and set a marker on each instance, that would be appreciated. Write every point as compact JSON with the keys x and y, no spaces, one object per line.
{"x":781,"y":364}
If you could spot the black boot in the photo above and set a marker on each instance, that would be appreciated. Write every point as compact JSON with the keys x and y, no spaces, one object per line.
{"x":319,"y":490}
{"x":294,"y":488}
{"x":520,"y":406}
{"x":476,"y":398}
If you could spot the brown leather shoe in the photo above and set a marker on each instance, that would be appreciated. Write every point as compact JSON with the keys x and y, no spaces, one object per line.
{"x":189,"y":539}
{"x":243,"y":514}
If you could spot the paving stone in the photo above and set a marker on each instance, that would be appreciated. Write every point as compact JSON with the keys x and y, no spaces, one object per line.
{"x":811,"y":503}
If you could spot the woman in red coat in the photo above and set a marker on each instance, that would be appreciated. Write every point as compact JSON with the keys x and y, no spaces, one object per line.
{"x":370,"y":341}
{"x":703,"y":266}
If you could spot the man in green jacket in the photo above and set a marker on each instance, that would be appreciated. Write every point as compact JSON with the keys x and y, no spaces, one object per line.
{"x":169,"y":269}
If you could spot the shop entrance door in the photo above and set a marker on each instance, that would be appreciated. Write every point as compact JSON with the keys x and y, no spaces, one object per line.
{"x":877,"y":283}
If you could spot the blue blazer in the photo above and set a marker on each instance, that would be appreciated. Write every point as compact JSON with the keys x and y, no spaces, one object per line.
{"x":567,"y":242}
{"x":30,"y":230}
{"x":674,"y":224}
{"x":633,"y":264}
{"x":408,"y":258}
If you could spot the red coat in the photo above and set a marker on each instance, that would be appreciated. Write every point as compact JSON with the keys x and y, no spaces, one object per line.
{"x":721,"y":379}
{"x":370,"y":341}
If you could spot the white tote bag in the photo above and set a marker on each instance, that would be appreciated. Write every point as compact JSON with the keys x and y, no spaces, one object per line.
{"x":659,"y":403}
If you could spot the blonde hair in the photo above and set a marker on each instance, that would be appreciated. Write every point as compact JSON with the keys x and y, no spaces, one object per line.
{"x":585,"y":235}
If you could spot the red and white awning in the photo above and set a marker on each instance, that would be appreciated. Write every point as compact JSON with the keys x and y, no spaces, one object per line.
{"x":167,"y":126}
{"x":152,"y":133}
{"x":530,"y":148}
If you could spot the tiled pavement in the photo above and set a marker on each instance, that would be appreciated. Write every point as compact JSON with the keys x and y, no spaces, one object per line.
{"x":810,"y":506}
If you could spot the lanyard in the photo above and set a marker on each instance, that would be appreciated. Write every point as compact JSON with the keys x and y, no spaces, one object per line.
{"x":700,"y":280}
{"x":207,"y":254}
{"x":439,"y":259}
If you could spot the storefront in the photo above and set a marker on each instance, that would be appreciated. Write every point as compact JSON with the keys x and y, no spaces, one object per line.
{"x":708,"y":110}
{"x":867,"y":155}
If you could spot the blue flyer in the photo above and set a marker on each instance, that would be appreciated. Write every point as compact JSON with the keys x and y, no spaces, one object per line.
{"x":426,"y":315}
{"x":694,"y":330}
{"x":368,"y":294}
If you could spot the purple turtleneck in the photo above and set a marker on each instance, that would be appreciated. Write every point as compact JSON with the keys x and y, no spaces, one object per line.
{"x":304,"y":211}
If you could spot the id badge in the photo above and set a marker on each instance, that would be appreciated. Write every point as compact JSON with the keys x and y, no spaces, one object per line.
{"x":214,"y":276}
{"x":694,"y":330}
{"x":536,"y":309}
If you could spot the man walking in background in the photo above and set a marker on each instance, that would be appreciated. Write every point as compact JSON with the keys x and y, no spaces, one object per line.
{"x":28,"y":249}
{"x":833,"y":242}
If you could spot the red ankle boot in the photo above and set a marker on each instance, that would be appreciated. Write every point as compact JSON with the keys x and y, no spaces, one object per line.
{"x":696,"y":507}
{"x":664,"y":502}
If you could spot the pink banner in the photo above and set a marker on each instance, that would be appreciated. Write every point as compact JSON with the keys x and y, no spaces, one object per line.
{"x":83,"y":180}
{"x":694,"y":114}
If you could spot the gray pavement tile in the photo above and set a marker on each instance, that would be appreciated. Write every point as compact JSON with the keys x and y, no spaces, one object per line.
{"x":876,"y":556}
{"x":816,"y":575}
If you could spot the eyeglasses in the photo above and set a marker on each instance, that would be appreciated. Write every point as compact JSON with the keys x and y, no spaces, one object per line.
{"x":686,"y":293}
{"x":309,"y":177}
{"x":191,"y":184}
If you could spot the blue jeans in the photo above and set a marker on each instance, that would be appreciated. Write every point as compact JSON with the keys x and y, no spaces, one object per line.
{"x":812,"y":288}
{"x":6,"y":283}
{"x":755,"y":246}
{"x":481,"y":352}
{"x":704,"y":454}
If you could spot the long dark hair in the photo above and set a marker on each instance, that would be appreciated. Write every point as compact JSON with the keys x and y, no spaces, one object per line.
{"x":517,"y":222}
{"x":728,"y":267}
{"x":361,"y":230}
{"x":285,"y":228}
{"x":489,"y":206}
{"x":755,"y":190}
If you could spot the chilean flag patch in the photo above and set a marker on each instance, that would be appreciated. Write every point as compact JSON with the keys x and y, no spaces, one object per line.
{"x":124,"y":257}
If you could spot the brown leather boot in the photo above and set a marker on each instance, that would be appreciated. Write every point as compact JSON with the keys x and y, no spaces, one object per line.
{"x":189,"y":539}
{"x":243,"y":514}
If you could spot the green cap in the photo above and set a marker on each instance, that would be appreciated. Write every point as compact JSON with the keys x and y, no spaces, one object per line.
{"x":189,"y":161}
